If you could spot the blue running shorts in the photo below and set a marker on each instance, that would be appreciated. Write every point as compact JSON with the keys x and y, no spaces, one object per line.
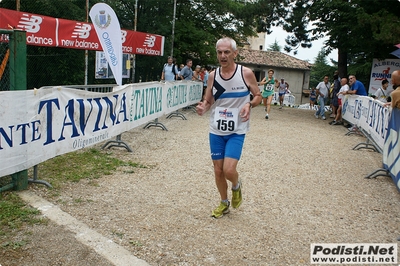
{"x":226,"y":146}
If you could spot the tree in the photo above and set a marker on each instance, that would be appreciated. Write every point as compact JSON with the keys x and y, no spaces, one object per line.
{"x":198,"y":25}
{"x":275,"y":47}
{"x":320,"y":68}
{"x":359,"y":29}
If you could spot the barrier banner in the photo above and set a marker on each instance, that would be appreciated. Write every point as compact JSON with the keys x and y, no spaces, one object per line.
{"x":391,"y":149}
{"x":108,"y":31}
{"x":381,"y":70}
{"x":56,"y":32}
{"x":367,"y":113}
{"x":39,"y":124}
{"x":288,"y":99}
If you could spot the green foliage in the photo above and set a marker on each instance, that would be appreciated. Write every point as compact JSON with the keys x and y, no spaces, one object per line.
{"x":320,"y":68}
{"x":198,"y":25}
{"x":275,"y":47}
{"x":14,"y":215}
{"x":14,"y":212}
{"x":74,"y":166}
{"x":359,"y":29}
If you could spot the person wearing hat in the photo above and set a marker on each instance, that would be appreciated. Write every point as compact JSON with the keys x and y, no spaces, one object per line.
{"x":283,"y":87}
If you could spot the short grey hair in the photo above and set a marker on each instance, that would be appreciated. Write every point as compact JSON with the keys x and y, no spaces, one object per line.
{"x":227,"y":39}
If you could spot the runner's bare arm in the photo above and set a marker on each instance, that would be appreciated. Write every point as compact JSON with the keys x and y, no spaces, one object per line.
{"x":251,"y":81}
{"x":208,"y":99}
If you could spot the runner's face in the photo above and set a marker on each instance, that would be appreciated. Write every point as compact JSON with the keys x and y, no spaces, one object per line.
{"x":270,"y":74}
{"x":225,"y":54}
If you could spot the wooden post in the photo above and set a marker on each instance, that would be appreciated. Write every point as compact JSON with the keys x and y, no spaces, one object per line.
{"x":18,"y":82}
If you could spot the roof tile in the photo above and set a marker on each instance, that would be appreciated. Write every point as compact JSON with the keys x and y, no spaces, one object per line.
{"x":271,"y":59}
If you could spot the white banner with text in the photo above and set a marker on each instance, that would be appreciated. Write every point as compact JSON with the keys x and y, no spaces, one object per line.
{"x":382,"y":126}
{"x":36,"y":125}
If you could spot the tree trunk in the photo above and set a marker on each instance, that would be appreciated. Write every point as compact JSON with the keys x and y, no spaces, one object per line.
{"x":342,"y":63}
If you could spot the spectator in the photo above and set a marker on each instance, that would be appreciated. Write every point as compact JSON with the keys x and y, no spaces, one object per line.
{"x":342,"y":91}
{"x":170,"y":71}
{"x":196,"y":74}
{"x":322,"y":93}
{"x":396,"y":90}
{"x":334,"y":94}
{"x":356,"y":87}
{"x":383,"y":93}
{"x":313,"y":97}
{"x":205,"y":79}
{"x":268,"y":91}
{"x":187,"y":72}
{"x":283,"y":89}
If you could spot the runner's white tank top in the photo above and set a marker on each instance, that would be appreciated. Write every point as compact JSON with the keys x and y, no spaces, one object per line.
{"x":230,"y":96}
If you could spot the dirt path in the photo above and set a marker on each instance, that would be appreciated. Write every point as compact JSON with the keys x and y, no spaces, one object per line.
{"x":303,"y":184}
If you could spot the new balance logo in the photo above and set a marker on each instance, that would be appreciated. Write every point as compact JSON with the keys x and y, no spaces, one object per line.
{"x":30,"y":23}
{"x":149,"y":41}
{"x":81,"y":31}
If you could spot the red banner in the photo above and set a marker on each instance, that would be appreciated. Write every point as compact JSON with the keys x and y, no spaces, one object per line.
{"x":56,"y":32}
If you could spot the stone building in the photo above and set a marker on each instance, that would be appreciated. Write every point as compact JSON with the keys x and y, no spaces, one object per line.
{"x":296,"y":72}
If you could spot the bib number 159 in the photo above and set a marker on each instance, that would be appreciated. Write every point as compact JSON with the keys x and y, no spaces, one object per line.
{"x":225,"y":125}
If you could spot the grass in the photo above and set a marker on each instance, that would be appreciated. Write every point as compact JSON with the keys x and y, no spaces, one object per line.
{"x":15,"y":214}
{"x":74,"y":166}
{"x":89,"y":164}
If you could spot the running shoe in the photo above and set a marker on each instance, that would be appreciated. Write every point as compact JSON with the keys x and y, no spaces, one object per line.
{"x":323,"y":118}
{"x":222,"y":209}
{"x":266,"y":116}
{"x":237,"y":196}
{"x":316,"y":116}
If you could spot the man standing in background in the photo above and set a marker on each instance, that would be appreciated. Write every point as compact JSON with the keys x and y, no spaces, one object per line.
{"x":170,"y":71}
{"x":187,"y":72}
{"x":322,"y":94}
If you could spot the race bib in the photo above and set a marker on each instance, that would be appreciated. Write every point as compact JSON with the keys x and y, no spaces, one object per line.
{"x":269,"y":87}
{"x":226,"y":119}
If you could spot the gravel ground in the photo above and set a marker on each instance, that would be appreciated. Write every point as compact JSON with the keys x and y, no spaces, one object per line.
{"x":302,"y":184}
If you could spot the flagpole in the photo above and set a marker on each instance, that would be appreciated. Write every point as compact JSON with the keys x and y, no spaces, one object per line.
{"x":134,"y":55}
{"x":173,"y":30}
{"x":86,"y":51}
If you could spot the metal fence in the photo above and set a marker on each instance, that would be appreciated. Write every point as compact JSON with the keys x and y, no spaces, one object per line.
{"x":4,"y":57}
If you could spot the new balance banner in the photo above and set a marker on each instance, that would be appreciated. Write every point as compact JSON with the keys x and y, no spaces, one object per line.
{"x":56,"y":32}
{"x":391,"y":150}
{"x":108,"y":31}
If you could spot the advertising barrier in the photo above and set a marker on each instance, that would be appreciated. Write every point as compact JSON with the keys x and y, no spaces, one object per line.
{"x":56,"y":32}
{"x":288,"y":99}
{"x":368,"y":114}
{"x":36,"y":125}
{"x":391,"y":150}
{"x":382,"y":126}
